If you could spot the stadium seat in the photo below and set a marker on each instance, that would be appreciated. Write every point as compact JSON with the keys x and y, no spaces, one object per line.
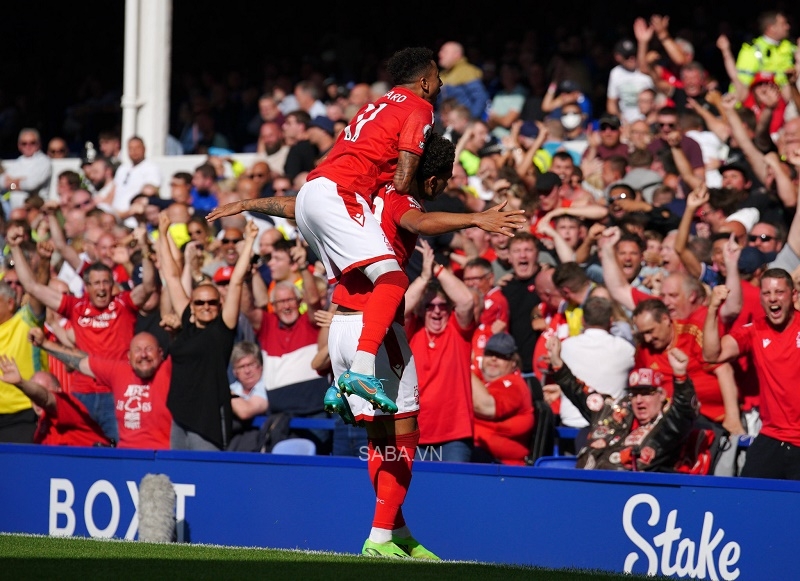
{"x":555,"y":462}
{"x":543,"y":436}
{"x":295,"y":447}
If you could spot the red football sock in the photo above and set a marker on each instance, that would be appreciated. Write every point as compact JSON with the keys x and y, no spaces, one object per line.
{"x":375,"y":460}
{"x":393,"y":479}
{"x":381,"y":308}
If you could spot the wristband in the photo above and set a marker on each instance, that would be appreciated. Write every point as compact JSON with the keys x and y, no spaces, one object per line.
{"x":680,"y":378}
{"x":437,"y":270}
{"x":555,"y":369}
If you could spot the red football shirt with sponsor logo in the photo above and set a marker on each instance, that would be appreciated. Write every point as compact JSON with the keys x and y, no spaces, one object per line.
{"x":103,"y":333}
{"x":140,"y":405}
{"x":689,"y":339}
{"x":776,"y":357}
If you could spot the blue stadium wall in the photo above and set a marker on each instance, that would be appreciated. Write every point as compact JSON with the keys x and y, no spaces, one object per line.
{"x":676,"y":525}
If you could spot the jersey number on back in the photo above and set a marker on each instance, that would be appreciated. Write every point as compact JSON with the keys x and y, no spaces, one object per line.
{"x":351,"y":132}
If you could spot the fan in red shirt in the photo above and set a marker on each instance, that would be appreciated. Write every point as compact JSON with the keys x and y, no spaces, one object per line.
{"x":478,"y":275}
{"x":63,"y":420}
{"x":547,"y":193}
{"x":139,"y":384}
{"x":99,"y":246}
{"x":773,"y":342}
{"x":682,"y":297}
{"x":764,"y":94}
{"x":502,"y":404}
{"x":59,"y":329}
{"x":102,"y":322}
{"x":106,"y":247}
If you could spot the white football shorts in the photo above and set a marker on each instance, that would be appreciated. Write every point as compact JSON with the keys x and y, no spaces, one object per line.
{"x":394,"y":365}
{"x":341,"y":229}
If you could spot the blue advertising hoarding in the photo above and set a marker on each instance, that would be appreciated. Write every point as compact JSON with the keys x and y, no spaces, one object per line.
{"x":699,"y":527}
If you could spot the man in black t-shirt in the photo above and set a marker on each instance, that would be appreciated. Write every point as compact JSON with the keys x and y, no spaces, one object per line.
{"x":520,"y":291}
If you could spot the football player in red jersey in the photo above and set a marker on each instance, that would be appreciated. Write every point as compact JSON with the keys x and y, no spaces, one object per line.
{"x":392,"y":437}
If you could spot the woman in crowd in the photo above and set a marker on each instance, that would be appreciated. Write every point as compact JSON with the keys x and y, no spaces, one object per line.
{"x":199,"y":397}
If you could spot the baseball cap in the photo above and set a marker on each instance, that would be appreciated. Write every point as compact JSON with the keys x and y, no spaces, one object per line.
{"x":567,"y":86}
{"x":763,"y":77}
{"x":223,"y":274}
{"x":547,"y":181}
{"x":609,"y":119}
{"x":529,"y":129}
{"x":159,"y":202}
{"x":490,"y":149}
{"x":625,"y":48}
{"x":751,"y":259}
{"x":746,"y":216}
{"x":644,"y":379}
{"x":501,"y":344}
{"x":738,"y":163}
{"x":322,"y":122}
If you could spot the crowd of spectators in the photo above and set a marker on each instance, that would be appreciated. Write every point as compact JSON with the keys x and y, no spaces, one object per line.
{"x":661,"y":212}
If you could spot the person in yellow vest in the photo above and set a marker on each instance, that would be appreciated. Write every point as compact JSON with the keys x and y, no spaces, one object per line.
{"x":771,"y":52}
{"x":287,"y":262}
{"x":17,"y":418}
{"x":574,"y":285}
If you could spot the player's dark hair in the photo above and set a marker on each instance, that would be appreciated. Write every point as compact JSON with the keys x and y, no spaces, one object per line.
{"x":409,"y":64}
{"x":438,"y":157}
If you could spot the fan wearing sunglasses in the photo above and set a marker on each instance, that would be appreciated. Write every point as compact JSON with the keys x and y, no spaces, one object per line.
{"x":767,"y":236}
{"x":199,"y":396}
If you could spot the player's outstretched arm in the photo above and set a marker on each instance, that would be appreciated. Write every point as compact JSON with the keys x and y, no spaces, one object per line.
{"x":283,"y":207}
{"x":498,"y":219}
{"x":493,"y":220}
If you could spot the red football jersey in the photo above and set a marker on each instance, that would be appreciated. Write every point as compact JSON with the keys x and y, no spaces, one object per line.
{"x":688,"y":338}
{"x":140,"y":405}
{"x":745,"y":373}
{"x":364,"y":157}
{"x":70,"y":425}
{"x":776,"y":356}
{"x":105,"y":333}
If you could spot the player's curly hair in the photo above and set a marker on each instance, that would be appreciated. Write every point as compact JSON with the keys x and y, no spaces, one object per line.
{"x":438,"y":157}
{"x":407,"y":65}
